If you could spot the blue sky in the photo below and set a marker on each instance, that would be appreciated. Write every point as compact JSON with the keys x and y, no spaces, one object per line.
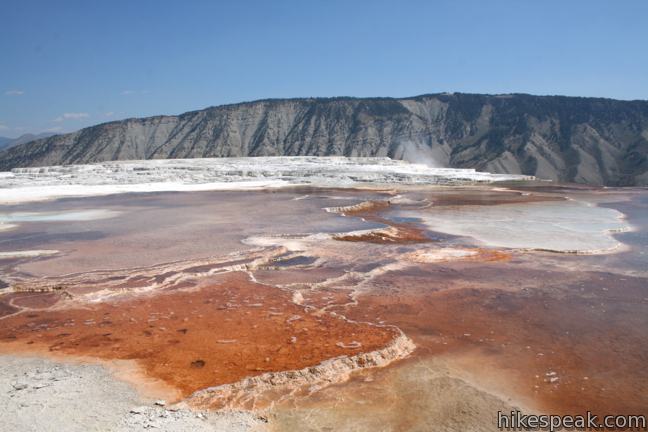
{"x":69,"y":64}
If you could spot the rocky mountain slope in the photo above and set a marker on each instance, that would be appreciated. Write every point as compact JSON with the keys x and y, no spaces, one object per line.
{"x":586,"y":140}
{"x":5,"y":142}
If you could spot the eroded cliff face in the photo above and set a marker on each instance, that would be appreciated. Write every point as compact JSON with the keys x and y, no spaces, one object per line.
{"x":585,"y":140}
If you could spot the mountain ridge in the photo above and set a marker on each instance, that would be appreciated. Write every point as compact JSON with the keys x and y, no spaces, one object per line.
{"x":574,"y":139}
{"x":6,"y":142}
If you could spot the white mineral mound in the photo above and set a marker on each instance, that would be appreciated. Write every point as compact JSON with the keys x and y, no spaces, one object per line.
{"x":31,"y":184}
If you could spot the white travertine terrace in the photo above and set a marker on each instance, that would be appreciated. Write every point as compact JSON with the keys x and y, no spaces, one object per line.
{"x":31,"y":184}
{"x":561,"y":226}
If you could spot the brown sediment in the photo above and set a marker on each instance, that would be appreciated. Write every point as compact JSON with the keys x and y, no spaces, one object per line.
{"x":6,"y":308}
{"x":440,"y":255}
{"x":566,"y":352}
{"x":490,"y":255}
{"x":219,"y":334}
{"x":490,"y":197}
{"x":271,"y":387}
{"x":394,"y":233}
{"x":362,"y":208}
{"x":101,"y":284}
{"x":293,"y":277}
{"x":37,"y":300}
